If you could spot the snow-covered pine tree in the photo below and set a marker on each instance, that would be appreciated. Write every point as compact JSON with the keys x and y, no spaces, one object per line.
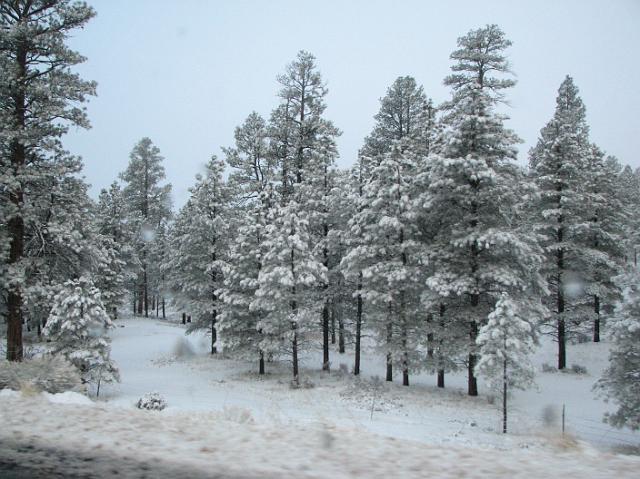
{"x":252,"y":195}
{"x":558,"y":165}
{"x":116,"y":272}
{"x":620,"y":382}
{"x":383,"y":255}
{"x":33,"y":59}
{"x":475,"y":188}
{"x":148,"y":205}
{"x":603,"y":235}
{"x":77,"y":324}
{"x":505,"y":345}
{"x":288,"y":282}
{"x":629,"y":184}
{"x":303,"y":149}
{"x":199,"y":251}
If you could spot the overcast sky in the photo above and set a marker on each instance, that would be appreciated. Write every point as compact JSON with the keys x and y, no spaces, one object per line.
{"x":185,"y":72}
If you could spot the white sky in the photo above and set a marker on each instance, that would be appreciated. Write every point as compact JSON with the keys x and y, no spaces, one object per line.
{"x":187,"y":72}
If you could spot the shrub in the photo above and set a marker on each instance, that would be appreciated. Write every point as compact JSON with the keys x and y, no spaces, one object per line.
{"x":53,"y":374}
{"x":152,"y":402}
{"x":547,"y":368}
{"x":577,"y":369}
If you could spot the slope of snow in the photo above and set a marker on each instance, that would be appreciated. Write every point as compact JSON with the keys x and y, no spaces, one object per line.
{"x":42,"y":435}
{"x":155,"y":355}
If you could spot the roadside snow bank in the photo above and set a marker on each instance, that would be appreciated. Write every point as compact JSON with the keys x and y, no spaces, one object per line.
{"x":210,"y":443}
{"x":68,"y":397}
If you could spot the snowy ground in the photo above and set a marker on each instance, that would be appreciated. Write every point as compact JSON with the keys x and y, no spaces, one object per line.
{"x":222,"y":417}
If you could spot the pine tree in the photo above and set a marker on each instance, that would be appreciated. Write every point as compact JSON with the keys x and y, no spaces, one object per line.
{"x":474,"y":191}
{"x":77,"y":325}
{"x":288,"y":283}
{"x":603,"y":236}
{"x":559,"y":166}
{"x":149,"y":205}
{"x":34,"y":59}
{"x":506,"y":343}
{"x":620,"y":382}
{"x":384,"y":258}
{"x":252,"y":194}
{"x":303,"y":149}
{"x":200,"y":245}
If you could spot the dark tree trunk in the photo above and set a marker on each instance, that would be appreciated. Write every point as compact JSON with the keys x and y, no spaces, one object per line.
{"x":261,"y":363}
{"x":140,"y":298}
{"x":188,"y":318}
{"x":295,"y":355}
{"x":389,"y":368}
{"x":134,"y":301}
{"x":184,"y":318}
{"x":325,"y":337}
{"x":596,"y":325}
{"x":146,"y":293}
{"x":341,"y":339}
{"x":440,"y":378}
{"x":356,"y":368}
{"x":15,"y":225}
{"x":405,"y":372}
{"x":164,"y":316}
{"x":333,"y":326}
{"x":562,"y":340}
{"x":504,"y":396}
{"x":214,"y":333}
{"x":472,"y":380}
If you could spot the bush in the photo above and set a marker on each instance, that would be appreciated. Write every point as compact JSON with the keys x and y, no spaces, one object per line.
{"x":547,"y":368}
{"x":53,"y":374}
{"x":152,"y":402}
{"x":577,"y":369}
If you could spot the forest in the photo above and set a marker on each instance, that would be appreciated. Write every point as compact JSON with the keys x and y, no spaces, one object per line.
{"x":437,"y":249}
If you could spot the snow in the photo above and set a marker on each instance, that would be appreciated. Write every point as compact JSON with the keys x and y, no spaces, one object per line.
{"x":68,"y":397}
{"x":219,"y":411}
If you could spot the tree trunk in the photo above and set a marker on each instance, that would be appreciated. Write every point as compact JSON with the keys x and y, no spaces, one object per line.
{"x":389,"y":360}
{"x":356,"y":368}
{"x":440,"y":378}
{"x":214,"y":333}
{"x":184,"y":318}
{"x":562,"y":351}
{"x":164,"y":316}
{"x":596,"y":325}
{"x":472,"y":380}
{"x":325,"y":336}
{"x":134,"y":301}
{"x":146,"y":293}
{"x":15,"y":349}
{"x":261,"y":363}
{"x":504,"y":396}
{"x":333,"y":326}
{"x":188,"y":318}
{"x":140,"y":298}
{"x":295,"y":355}
{"x":341,"y":339}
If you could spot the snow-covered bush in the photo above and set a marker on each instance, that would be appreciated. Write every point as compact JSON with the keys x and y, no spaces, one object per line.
{"x":53,"y":374}
{"x":152,"y":402}
{"x":547,"y":368}
{"x":77,"y":325}
{"x":577,"y":369}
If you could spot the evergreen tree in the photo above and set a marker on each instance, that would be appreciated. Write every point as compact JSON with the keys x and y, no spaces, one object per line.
{"x":149,"y":205}
{"x":199,"y":246}
{"x":252,"y":195}
{"x":303,"y":149}
{"x":559,"y":166}
{"x":288,"y":283}
{"x":603,"y":236}
{"x":34,"y":59}
{"x":474,"y":192}
{"x":77,"y":325}
{"x":506,"y":342}
{"x":620,"y":382}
